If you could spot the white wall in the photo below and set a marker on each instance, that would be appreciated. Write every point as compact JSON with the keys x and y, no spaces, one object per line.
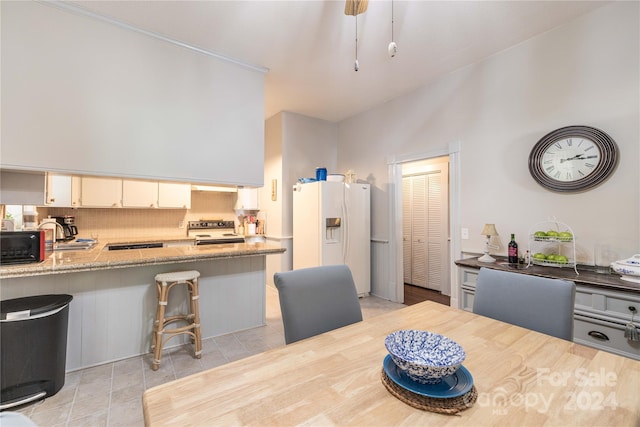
{"x":271,"y":209}
{"x":273,"y":170}
{"x":308,"y":143}
{"x":294,"y":146}
{"x":583,"y":73}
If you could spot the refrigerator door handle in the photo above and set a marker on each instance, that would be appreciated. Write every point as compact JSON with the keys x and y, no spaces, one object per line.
{"x":345,"y":228}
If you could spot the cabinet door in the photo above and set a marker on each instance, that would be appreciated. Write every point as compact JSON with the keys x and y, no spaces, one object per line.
{"x":406,"y":229}
{"x":247,"y":199}
{"x":419,"y":231}
{"x":58,"y":190}
{"x":139,"y":193}
{"x":174,"y":195}
{"x":437,"y":232}
{"x":76,"y":193}
{"x":62,"y":190}
{"x":425,"y":228}
{"x":101,"y":192}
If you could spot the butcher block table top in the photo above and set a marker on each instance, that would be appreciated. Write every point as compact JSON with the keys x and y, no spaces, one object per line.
{"x":522,"y":378}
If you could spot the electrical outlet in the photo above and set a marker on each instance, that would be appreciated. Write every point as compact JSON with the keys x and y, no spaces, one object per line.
{"x":464,"y":233}
{"x":181,"y":224}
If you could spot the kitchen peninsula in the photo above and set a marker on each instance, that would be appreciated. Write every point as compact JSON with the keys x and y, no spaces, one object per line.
{"x":114,"y":298}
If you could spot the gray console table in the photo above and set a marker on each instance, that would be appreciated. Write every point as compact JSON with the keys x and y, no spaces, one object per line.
{"x":601,"y":308}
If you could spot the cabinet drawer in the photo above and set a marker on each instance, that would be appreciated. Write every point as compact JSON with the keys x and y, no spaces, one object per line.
{"x":467,"y":299}
{"x":469,"y":278}
{"x":605,"y":336}
{"x":614,"y":305}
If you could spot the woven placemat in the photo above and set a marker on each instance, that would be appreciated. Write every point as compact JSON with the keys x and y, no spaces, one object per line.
{"x":448,"y":406}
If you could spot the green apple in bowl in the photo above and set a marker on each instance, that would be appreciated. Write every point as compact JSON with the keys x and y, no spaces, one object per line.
{"x":552,"y":233}
{"x":565,"y":235}
{"x":561,"y":259}
{"x":539,"y":256}
{"x":540,"y":234}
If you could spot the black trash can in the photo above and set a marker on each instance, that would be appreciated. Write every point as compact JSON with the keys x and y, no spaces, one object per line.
{"x":33,"y":347}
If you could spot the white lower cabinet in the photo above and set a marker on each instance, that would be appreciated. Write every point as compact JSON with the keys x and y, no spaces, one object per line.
{"x":600,"y":314}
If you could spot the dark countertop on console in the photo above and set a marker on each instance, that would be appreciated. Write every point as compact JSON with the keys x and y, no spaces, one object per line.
{"x":586,"y":276}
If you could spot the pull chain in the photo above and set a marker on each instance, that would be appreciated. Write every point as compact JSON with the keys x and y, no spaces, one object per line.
{"x":393,"y":47}
{"x":392,"y":21}
{"x":356,"y":65}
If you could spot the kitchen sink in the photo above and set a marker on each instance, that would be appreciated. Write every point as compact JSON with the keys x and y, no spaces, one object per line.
{"x":78,"y":245}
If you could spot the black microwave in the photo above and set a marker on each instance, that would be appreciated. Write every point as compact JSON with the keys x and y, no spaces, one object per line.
{"x":20,"y":247}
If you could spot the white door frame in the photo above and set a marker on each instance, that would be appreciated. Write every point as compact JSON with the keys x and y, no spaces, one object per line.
{"x":394,"y":165}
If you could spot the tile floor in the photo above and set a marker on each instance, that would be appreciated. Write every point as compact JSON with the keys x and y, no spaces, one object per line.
{"x":111,"y":394}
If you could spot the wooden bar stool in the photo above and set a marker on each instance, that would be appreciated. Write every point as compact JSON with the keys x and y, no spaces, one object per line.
{"x":164,"y":283}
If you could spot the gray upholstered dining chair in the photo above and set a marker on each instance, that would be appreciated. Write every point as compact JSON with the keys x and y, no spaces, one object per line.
{"x":538,"y":303}
{"x":316,"y":300}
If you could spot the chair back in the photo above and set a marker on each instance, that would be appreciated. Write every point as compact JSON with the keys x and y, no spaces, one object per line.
{"x":538,"y":303}
{"x":316,"y":300}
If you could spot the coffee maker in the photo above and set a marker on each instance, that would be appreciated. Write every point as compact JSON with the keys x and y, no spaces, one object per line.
{"x":67,"y":223}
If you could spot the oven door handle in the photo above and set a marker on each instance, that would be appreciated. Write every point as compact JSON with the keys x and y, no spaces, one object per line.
{"x":219,"y":241}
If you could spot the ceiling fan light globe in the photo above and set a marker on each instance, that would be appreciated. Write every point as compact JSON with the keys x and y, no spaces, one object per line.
{"x":393,"y":49}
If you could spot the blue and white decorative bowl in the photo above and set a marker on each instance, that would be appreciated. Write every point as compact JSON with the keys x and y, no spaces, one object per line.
{"x":628,"y":268}
{"x":425,"y":357}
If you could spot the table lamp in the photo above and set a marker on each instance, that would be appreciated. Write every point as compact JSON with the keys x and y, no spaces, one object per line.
{"x":488,"y":230}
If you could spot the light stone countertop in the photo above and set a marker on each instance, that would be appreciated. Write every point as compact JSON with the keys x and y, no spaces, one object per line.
{"x":99,"y":258}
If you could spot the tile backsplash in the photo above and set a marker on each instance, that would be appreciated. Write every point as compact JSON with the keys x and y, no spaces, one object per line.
{"x":124,"y":223}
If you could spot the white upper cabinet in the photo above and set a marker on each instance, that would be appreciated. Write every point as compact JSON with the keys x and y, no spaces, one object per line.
{"x":101,"y":192}
{"x":174,"y":195}
{"x":139,"y":194}
{"x":102,"y":94}
{"x":62,"y":190}
{"x":248,"y":199}
{"x":105,"y":192}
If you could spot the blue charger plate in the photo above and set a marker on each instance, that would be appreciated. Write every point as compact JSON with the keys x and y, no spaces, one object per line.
{"x":450,"y":386}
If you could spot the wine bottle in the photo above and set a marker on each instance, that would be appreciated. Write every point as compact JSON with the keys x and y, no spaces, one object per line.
{"x":513,"y":250}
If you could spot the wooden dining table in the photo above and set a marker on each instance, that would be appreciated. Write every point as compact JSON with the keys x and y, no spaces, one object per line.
{"x":522,"y":378}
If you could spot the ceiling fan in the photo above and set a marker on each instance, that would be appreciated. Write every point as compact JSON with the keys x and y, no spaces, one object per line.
{"x":355,"y":7}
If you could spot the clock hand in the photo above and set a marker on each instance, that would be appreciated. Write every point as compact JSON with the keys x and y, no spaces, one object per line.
{"x":586,"y":157}
{"x":577,"y":156}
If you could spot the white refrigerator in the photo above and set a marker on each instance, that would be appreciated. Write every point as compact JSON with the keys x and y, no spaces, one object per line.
{"x":332,"y":225}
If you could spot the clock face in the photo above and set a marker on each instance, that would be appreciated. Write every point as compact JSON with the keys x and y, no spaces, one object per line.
{"x":573,"y":158}
{"x":570,"y":159}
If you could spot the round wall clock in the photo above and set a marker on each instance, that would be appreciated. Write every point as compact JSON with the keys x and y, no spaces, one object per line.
{"x":573,"y":158}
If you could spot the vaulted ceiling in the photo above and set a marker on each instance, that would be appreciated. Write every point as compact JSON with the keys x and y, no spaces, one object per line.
{"x":309,"y":46}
